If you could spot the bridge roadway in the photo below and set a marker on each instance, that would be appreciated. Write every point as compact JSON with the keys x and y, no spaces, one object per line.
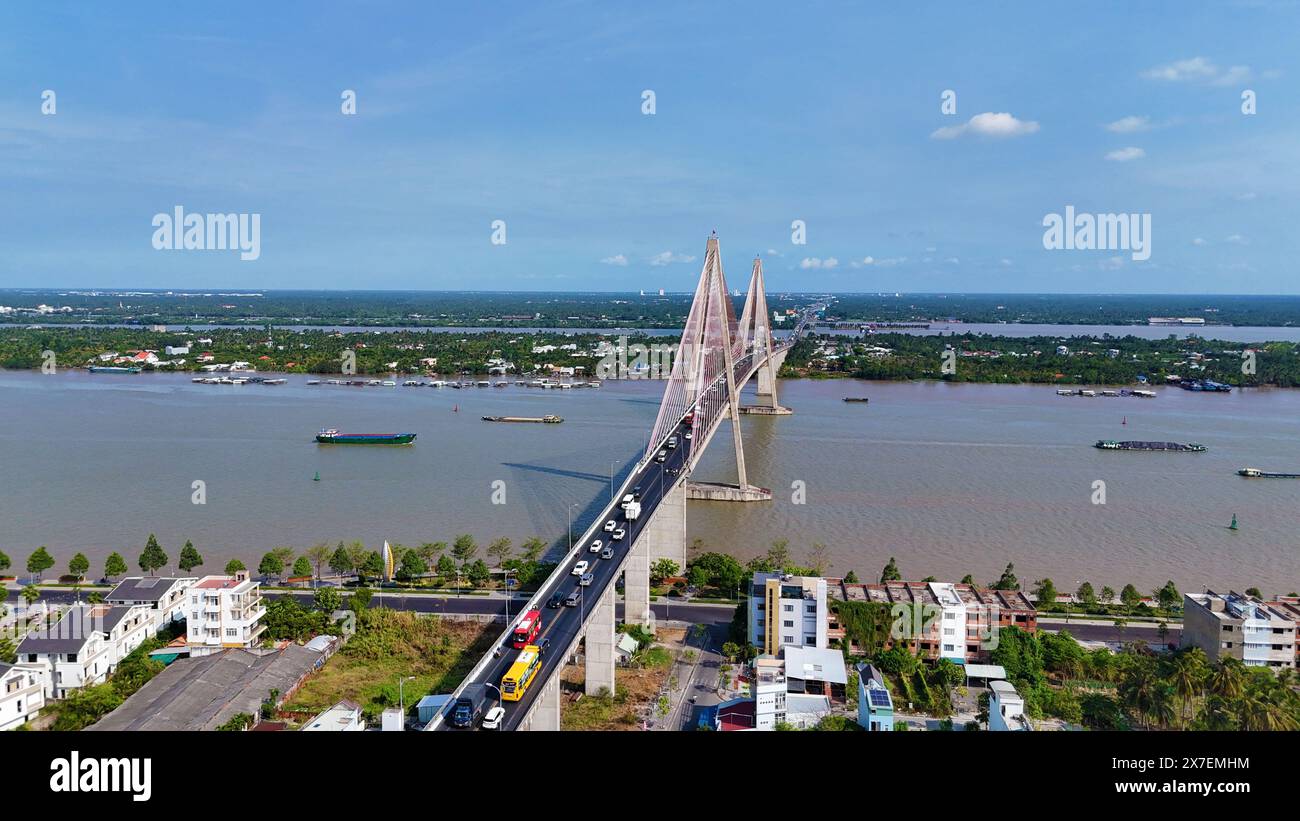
{"x":564,"y":624}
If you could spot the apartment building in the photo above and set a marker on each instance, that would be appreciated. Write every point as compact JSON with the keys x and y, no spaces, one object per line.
{"x":1007,"y":708}
{"x":84,"y":646}
{"x":1234,"y":625}
{"x":21,"y":696}
{"x":942,"y":619}
{"x":223,"y":612}
{"x":165,"y":597}
{"x":1290,"y":605}
{"x":787,"y":611}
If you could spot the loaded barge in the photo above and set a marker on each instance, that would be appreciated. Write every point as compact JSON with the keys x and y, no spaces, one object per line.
{"x":550,"y":419}
{"x":856,"y":399}
{"x":1110,"y":444}
{"x":334,"y":437}
{"x":1256,"y":473}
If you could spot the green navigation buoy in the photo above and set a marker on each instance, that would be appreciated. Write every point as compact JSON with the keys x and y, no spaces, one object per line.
{"x":1233,"y":526}
{"x":316,"y":478}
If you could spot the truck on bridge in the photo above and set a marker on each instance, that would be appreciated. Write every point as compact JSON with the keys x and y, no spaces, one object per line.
{"x":633,"y":510}
{"x":469,"y":707}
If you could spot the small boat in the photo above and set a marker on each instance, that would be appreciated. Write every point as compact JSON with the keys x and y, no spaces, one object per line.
{"x":550,"y":419}
{"x":1110,"y":444}
{"x":112,"y":369}
{"x":856,"y":399}
{"x":1059,"y":392}
{"x":332,"y":436}
{"x":313,"y":381}
{"x":388,"y":383}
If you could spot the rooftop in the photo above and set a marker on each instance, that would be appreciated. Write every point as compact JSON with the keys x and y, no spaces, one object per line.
{"x":812,"y":664}
{"x":75,"y":628}
{"x":144,"y":588}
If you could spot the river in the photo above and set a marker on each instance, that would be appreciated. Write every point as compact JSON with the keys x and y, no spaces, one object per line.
{"x":950,"y":479}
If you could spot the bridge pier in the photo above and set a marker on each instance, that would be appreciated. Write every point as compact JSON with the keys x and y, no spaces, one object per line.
{"x":766,"y":390}
{"x":545,"y":713}
{"x":636,"y":585}
{"x":599,"y":652}
{"x":665,"y":538}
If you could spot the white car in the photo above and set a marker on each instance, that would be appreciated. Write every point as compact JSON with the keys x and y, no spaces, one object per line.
{"x":687,"y":434}
{"x":627,"y":500}
{"x":492,"y":721}
{"x":610,"y":525}
{"x":616,"y":536}
{"x":580,"y":568}
{"x":596,"y":546}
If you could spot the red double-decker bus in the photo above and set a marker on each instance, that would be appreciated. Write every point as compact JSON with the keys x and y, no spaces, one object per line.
{"x":527,"y":629}
{"x":689,"y":420}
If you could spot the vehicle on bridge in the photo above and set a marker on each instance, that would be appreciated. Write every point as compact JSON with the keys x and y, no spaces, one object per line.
{"x":616,"y":535}
{"x":610,"y":525}
{"x":468,"y":707}
{"x":492,"y":721}
{"x":631,"y":511}
{"x":572,"y":599}
{"x":555,"y":600}
{"x":527,"y":629}
{"x":521,"y":674}
{"x":672,"y":442}
{"x":607,"y":553}
{"x":689,"y":420}
{"x":661,"y":456}
{"x":627,"y":500}
{"x":581,"y":567}
{"x":596,"y":545}
{"x":587,"y":579}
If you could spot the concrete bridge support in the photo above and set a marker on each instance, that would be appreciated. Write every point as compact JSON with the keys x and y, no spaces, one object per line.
{"x":636,"y":585}
{"x":545,"y":713}
{"x":665,"y":538}
{"x":766,"y":389}
{"x":599,"y":651}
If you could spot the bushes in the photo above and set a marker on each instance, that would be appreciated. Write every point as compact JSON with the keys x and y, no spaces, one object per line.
{"x":866,"y":624}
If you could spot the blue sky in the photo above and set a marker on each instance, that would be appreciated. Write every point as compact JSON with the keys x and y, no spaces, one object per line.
{"x":766,"y":113}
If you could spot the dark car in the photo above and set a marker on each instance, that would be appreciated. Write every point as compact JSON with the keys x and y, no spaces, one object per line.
{"x":543,"y":646}
{"x":555,"y":600}
{"x":607,"y":553}
{"x":572,"y":599}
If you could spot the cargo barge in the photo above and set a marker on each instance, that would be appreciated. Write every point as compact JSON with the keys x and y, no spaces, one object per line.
{"x":112,"y":369}
{"x":1256,"y":473}
{"x":334,"y":437}
{"x":1110,"y":444}
{"x":550,"y":419}
{"x":856,"y":399}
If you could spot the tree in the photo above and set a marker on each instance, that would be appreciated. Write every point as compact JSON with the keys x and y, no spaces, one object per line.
{"x":341,"y":561}
{"x":4,"y":561}
{"x":373,"y":565}
{"x":778,"y":555}
{"x":302,"y":567}
{"x":478,"y":573}
{"x":1086,"y":594}
{"x":1130,"y":596}
{"x":318,"y":554}
{"x":662,"y":569}
{"x":411,"y":567}
{"x":327,"y":599}
{"x":1250,"y":591}
{"x":1008,"y":581}
{"x":8,"y":652}
{"x":1107,"y":595}
{"x":819,"y":559}
{"x":115,"y":565}
{"x":464,"y":548}
{"x":190,"y":557}
{"x":851,"y":577}
{"x":30,"y":594}
{"x":533,"y":549}
{"x":968,"y":579}
{"x":446,"y":566}
{"x":271,"y":566}
{"x":1168,"y":596}
{"x":153,"y":556}
{"x":500,"y":550}
{"x":430,"y":551}
{"x":234,"y":566}
{"x":890,"y":573}
{"x":284,"y":554}
{"x":39,"y":562}
{"x":1045,"y":592}
{"x":79,"y":565}
{"x":360,"y":599}
{"x":357,"y":551}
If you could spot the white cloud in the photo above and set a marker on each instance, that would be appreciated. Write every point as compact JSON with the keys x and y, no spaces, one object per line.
{"x":1005,"y":262}
{"x":987,"y":124}
{"x":1247,"y":197}
{"x":1201,"y":70}
{"x":1236,"y":239}
{"x":617,"y":259}
{"x":668,"y":258}
{"x":953,"y":261}
{"x":1126,"y":154}
{"x":1129,"y":125}
{"x":1112,"y":263}
{"x":1198,"y":241}
{"x":890,"y":262}
{"x":772,"y":252}
{"x":817,"y":262}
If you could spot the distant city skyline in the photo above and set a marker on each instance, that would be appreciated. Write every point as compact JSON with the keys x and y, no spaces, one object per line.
{"x":837,"y":117}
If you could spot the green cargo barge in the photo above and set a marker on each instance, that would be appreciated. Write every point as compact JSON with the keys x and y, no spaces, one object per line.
{"x":334,"y":437}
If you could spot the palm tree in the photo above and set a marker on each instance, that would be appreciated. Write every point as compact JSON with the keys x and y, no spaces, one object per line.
{"x":1188,"y":679}
{"x":30,"y":594}
{"x":1227,"y":679}
{"x":1216,"y":714}
{"x":1137,"y":693}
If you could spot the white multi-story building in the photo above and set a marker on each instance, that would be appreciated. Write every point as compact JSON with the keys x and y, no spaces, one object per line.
{"x":952,"y":625}
{"x":165,"y":597}
{"x":769,"y":693}
{"x":21,"y":696}
{"x":787,"y":611}
{"x":223,"y":612}
{"x":84,"y":646}
{"x":1233,"y":625}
